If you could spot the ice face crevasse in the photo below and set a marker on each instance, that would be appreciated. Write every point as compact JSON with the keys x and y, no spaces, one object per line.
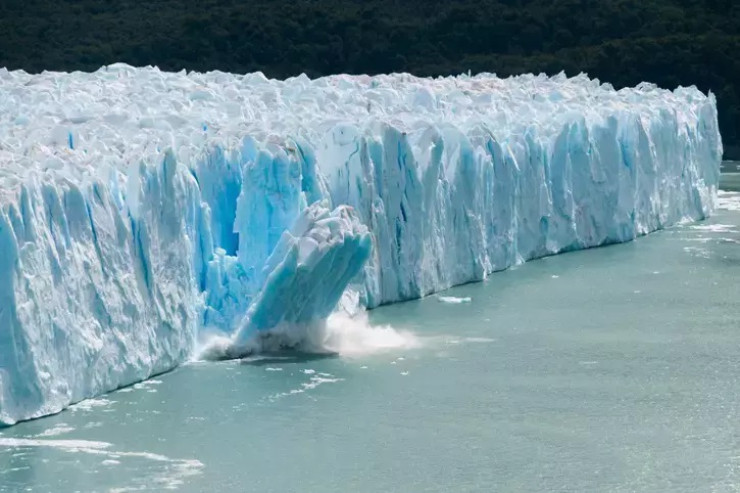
{"x":142,"y":210}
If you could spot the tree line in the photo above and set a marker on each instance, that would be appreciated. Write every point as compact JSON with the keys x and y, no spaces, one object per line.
{"x":624,"y":42}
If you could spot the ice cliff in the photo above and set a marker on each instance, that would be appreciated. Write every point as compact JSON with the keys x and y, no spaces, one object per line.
{"x":141,"y":209}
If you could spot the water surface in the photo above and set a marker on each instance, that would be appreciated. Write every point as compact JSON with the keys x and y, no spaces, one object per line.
{"x":613,"y":369}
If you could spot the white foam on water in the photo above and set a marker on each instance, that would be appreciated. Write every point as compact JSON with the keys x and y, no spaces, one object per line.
{"x":146,"y":385}
{"x":313,"y":382}
{"x":70,"y":445}
{"x":728,"y":201}
{"x":454,"y":299}
{"x":484,"y":340}
{"x":716,"y":228}
{"x":176,"y":470}
{"x":57,"y":430}
{"x":90,"y":404}
{"x":697,"y":252}
{"x":453,"y":340}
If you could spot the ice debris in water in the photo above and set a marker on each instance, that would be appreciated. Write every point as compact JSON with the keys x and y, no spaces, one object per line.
{"x":142,"y":209}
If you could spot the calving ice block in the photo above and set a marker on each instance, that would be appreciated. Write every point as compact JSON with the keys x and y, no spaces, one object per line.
{"x":142,"y":210}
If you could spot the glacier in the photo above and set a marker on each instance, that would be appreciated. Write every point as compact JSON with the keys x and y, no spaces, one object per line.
{"x":145,"y":213}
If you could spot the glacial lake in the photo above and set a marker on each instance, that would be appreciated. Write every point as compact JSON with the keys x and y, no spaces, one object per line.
{"x":612,"y":369}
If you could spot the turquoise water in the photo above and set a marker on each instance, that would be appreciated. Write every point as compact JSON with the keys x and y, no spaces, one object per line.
{"x":612,"y":369}
{"x":730,"y":178}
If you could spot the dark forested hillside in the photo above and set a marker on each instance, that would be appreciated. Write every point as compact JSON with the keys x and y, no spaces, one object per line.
{"x":669,"y":42}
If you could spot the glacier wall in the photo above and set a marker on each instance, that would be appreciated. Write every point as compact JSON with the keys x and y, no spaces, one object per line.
{"x":141,"y":210}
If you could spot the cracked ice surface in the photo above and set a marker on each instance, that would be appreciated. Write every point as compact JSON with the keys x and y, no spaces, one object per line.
{"x":141,"y":208}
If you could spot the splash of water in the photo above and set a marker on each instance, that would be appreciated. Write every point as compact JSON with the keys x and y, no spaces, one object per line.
{"x":355,"y":336}
{"x":341,"y":334}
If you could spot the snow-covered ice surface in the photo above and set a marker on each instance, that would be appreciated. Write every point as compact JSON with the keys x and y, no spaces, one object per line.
{"x":144,"y":209}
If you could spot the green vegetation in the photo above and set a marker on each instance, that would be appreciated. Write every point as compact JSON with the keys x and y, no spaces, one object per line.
{"x":669,"y":42}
